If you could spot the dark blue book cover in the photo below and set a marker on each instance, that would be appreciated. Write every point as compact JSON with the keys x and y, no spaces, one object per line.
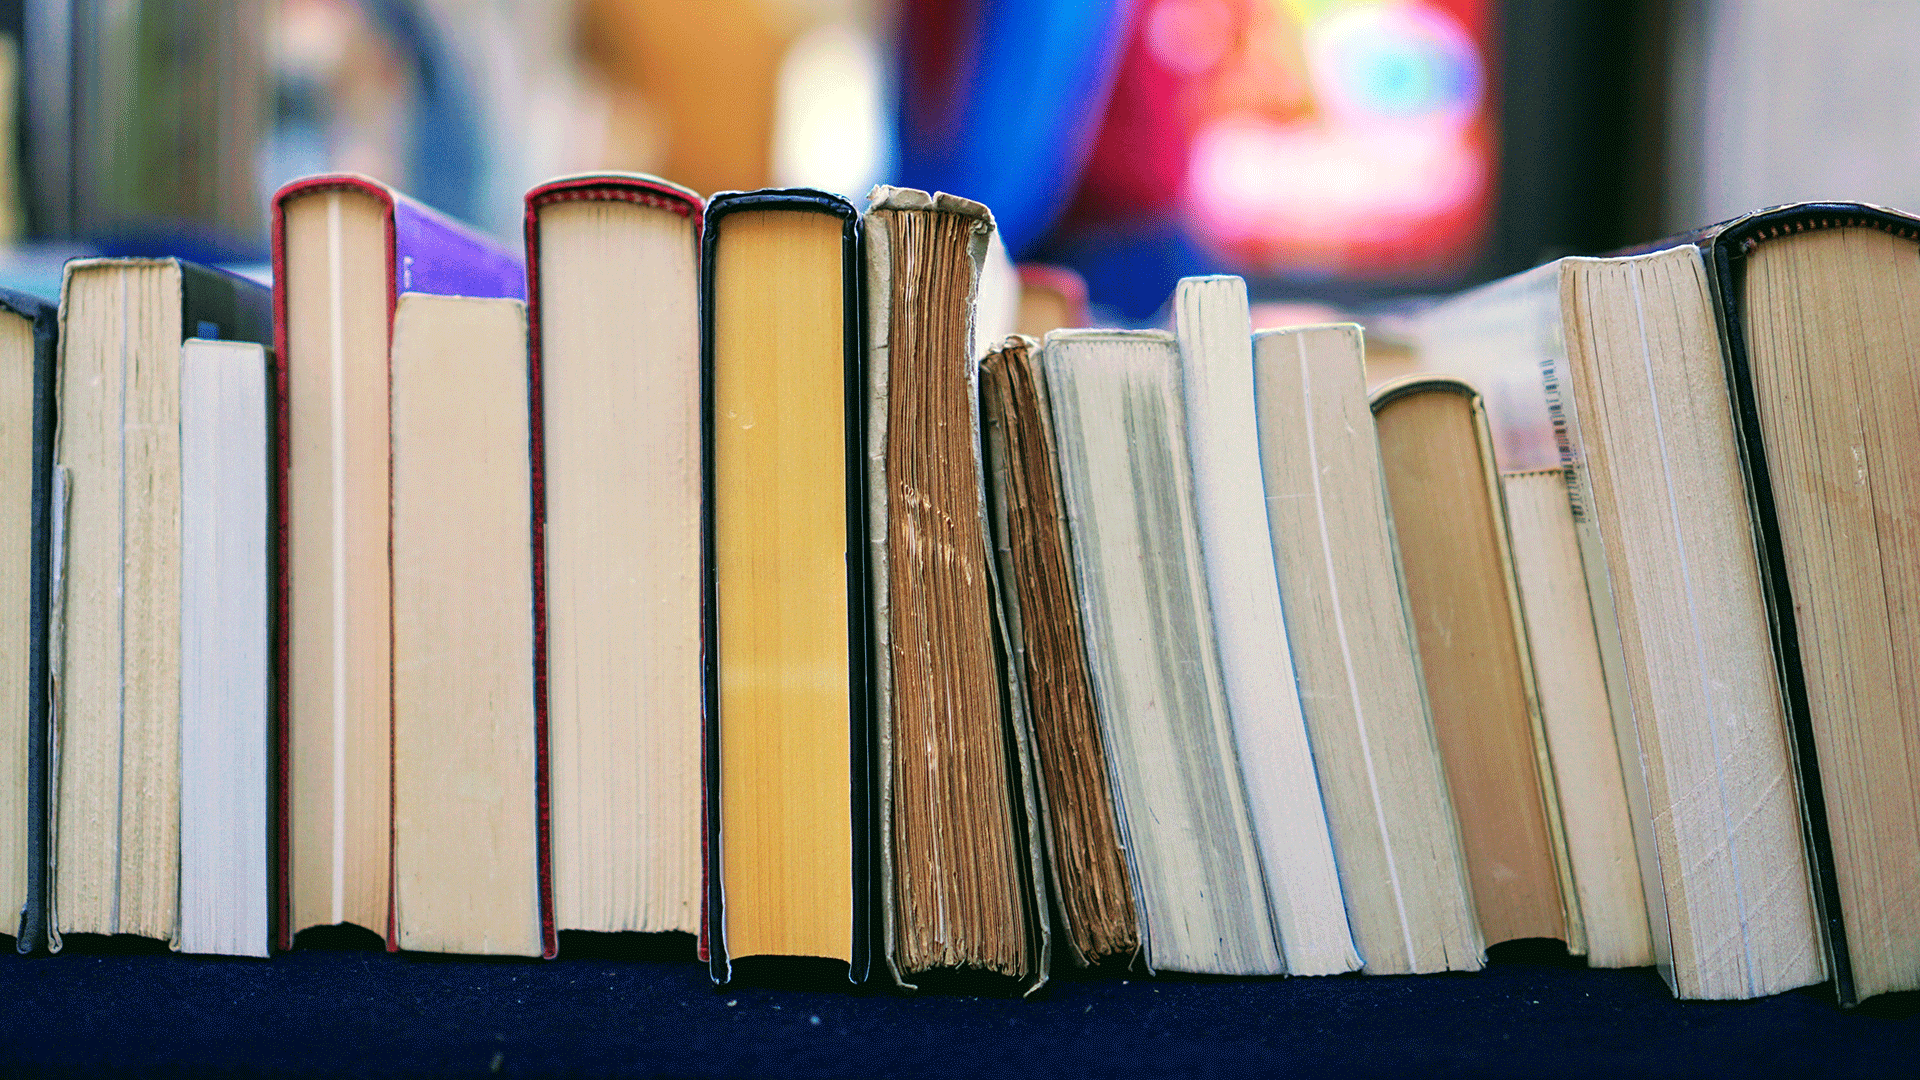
{"x":29,"y":929}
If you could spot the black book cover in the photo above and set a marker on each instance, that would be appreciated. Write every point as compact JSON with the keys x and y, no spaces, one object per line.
{"x":30,"y":930}
{"x":221,"y":306}
{"x":713,"y":944}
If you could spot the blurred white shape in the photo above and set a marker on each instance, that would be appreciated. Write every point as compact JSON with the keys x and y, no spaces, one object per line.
{"x":829,"y":121}
{"x":1777,"y":101}
{"x":1316,"y":187}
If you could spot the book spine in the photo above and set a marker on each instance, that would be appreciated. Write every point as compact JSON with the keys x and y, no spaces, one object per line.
{"x":33,"y":917}
{"x":713,"y":949}
{"x":279,"y":668}
{"x":537,"y":503}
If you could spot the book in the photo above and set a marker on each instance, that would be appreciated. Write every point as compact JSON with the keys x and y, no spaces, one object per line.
{"x":470,"y":860}
{"x":1578,"y":717}
{"x":613,"y":310}
{"x":1142,"y":589}
{"x":115,"y":666}
{"x":1449,"y":523}
{"x":961,"y":881}
{"x":225,"y":447}
{"x":1815,"y":305}
{"x":1214,"y":333}
{"x":344,"y":250}
{"x":28,"y":332}
{"x":1402,"y":872}
{"x":1088,"y":872}
{"x":788,"y":799}
{"x":1680,"y":555}
{"x":1634,"y":409}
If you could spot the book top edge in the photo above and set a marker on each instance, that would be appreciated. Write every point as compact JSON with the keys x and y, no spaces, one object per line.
{"x":1161,"y":337}
{"x":1348,"y":327}
{"x":887,"y":197}
{"x":802,"y":199}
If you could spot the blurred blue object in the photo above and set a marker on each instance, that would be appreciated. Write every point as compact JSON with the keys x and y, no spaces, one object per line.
{"x":1131,"y":270}
{"x":1001,"y":99}
{"x":444,"y":170}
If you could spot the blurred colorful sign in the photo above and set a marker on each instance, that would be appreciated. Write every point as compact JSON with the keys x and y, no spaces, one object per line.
{"x":1366,"y":150}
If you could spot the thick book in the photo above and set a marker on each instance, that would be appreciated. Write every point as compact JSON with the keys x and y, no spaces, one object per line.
{"x":345,"y":249}
{"x":1449,"y":520}
{"x":960,"y":872}
{"x":1402,"y":872}
{"x":789,"y":827}
{"x":1816,"y":305}
{"x":116,"y":661}
{"x":1214,"y":331}
{"x":28,"y":331}
{"x":613,"y":314}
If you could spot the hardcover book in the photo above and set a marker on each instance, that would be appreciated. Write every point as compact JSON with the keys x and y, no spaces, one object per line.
{"x":785,"y":688}
{"x":345,"y":248}
{"x":613,"y":311}
{"x":28,"y":331}
{"x":1450,"y":526}
{"x":1816,"y":304}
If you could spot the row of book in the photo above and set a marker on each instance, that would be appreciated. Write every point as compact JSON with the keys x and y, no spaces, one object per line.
{"x":726,"y":567}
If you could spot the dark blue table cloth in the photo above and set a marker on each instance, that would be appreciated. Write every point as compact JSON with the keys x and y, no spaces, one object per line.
{"x":633,"y":1006}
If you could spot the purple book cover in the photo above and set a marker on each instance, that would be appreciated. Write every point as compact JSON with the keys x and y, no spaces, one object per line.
{"x":431,"y":253}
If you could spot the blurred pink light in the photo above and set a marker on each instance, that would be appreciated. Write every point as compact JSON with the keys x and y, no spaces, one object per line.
{"x":1255,"y":181}
{"x":1189,"y":36}
{"x":1390,"y":173}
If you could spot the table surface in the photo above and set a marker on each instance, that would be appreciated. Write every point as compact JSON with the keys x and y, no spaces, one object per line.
{"x":625,"y":1005}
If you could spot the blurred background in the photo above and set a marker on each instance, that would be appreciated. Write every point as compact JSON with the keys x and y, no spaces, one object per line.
{"x":1341,"y":154}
